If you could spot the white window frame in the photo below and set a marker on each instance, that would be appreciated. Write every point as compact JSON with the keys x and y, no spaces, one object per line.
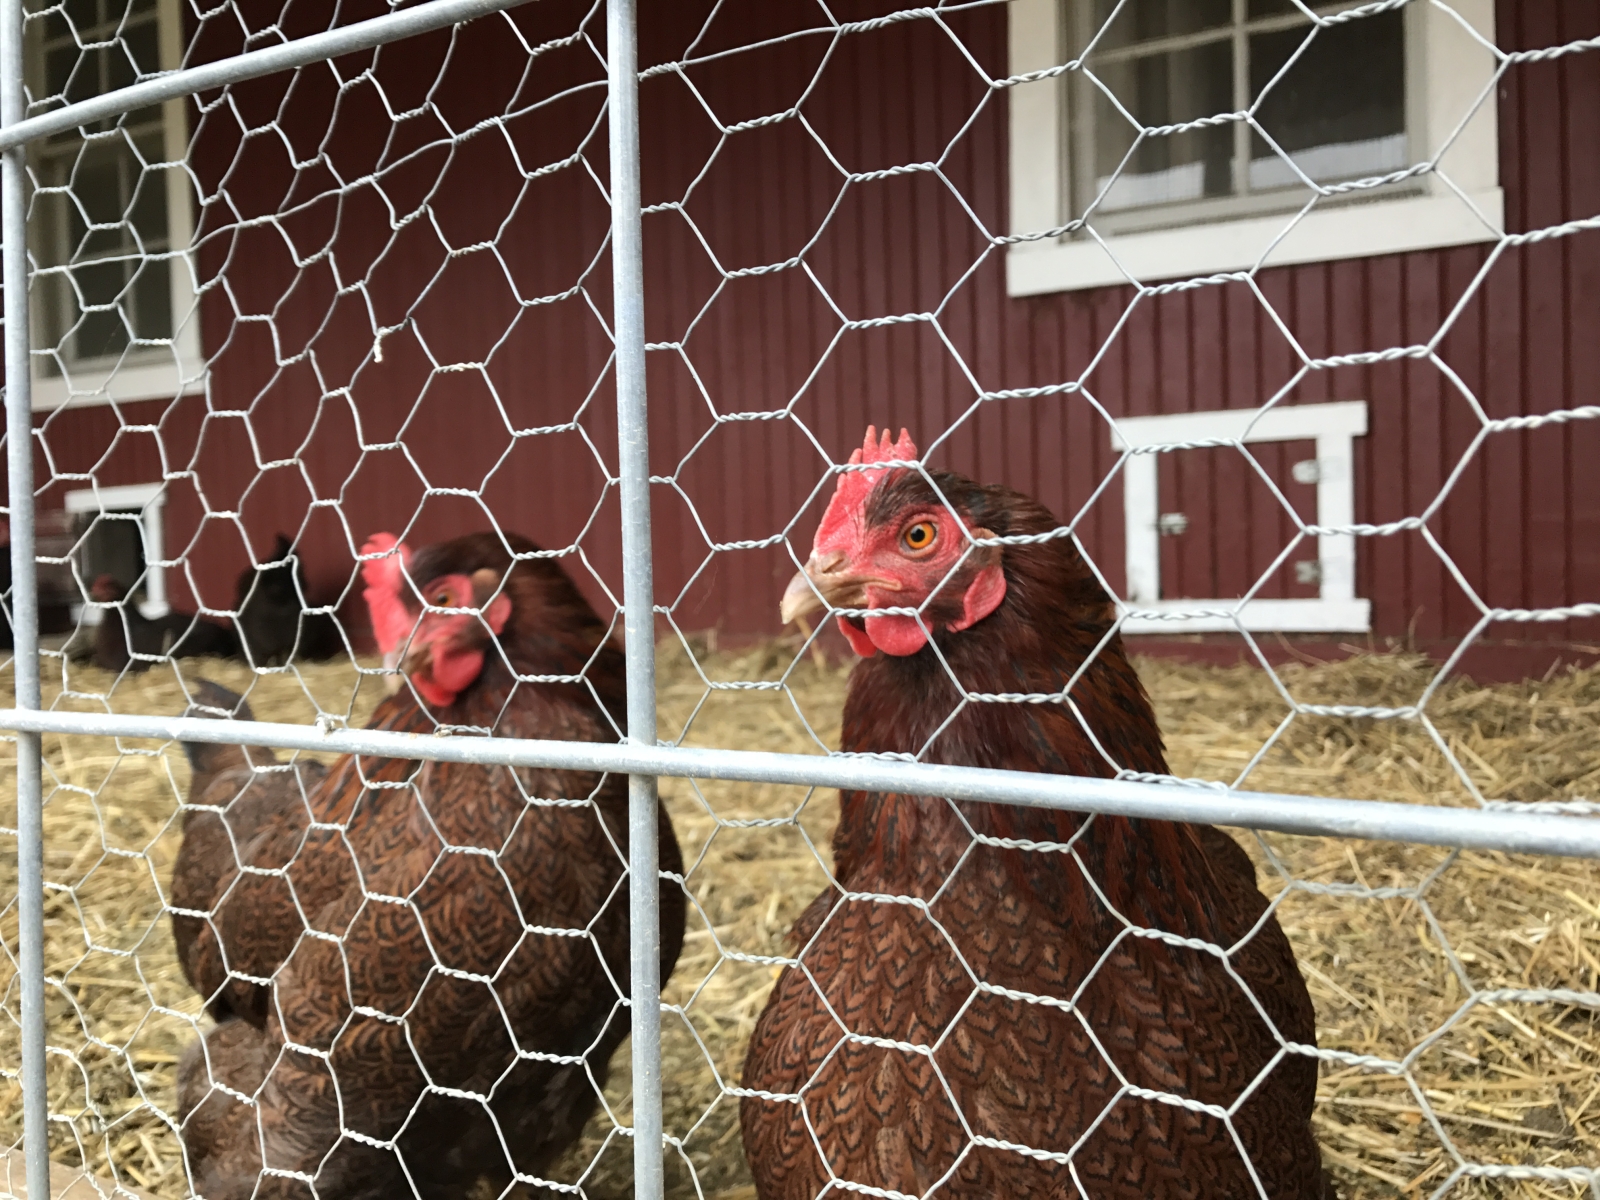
{"x":151,"y":501}
{"x":1448,"y":71}
{"x":1334,"y":426}
{"x":150,"y":374}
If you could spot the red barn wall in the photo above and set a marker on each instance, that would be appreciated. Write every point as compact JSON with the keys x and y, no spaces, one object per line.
{"x":289,"y":332}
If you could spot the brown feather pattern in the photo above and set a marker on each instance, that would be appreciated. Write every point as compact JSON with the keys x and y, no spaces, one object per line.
{"x":406,"y":924}
{"x":1023,"y":977}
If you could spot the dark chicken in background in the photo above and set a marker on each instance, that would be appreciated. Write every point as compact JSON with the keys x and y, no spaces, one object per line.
{"x":371,"y":919}
{"x":55,"y":600}
{"x":1015,"y":619}
{"x":124,"y":632}
{"x":270,"y":600}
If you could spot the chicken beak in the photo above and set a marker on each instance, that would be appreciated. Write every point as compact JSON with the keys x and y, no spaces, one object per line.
{"x":392,"y":683}
{"x":409,"y":659}
{"x":822,"y":584}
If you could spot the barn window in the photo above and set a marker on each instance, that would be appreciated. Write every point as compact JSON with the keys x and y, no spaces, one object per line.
{"x":1330,"y":430}
{"x":1338,"y":109}
{"x":119,"y":531}
{"x":1363,"y":99}
{"x":113,"y":297}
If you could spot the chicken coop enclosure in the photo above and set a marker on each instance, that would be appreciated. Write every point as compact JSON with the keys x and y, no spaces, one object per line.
{"x":1264,"y":329}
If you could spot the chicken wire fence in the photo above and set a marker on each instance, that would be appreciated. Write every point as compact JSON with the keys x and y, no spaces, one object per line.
{"x":333,"y":274}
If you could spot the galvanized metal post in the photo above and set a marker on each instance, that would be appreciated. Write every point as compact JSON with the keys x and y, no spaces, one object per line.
{"x":24,"y":605}
{"x":638,"y":592}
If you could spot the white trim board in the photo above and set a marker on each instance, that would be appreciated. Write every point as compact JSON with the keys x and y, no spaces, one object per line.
{"x":124,"y":385}
{"x":1293,"y":423}
{"x":1348,"y":231}
{"x":1333,"y":426}
{"x":1448,"y":70}
{"x":118,"y":498}
{"x":1259,"y":616}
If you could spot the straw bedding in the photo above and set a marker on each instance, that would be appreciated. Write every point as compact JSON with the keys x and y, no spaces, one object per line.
{"x":1393,"y":939}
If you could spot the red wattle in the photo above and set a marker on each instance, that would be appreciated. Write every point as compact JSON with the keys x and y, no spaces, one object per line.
{"x":902,"y":635}
{"x":858,"y":639}
{"x":896,"y":634}
{"x":430,"y":691}
{"x":450,"y":673}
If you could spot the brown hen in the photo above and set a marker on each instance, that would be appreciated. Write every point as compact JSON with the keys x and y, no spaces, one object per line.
{"x":423,"y":961}
{"x":1004,"y":1033}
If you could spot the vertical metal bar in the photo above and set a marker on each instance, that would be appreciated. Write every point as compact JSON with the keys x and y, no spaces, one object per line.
{"x":638,"y":593}
{"x":24,"y":605}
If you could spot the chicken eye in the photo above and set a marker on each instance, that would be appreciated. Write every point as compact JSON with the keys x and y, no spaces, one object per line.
{"x":920,"y":536}
{"x":441,"y":599}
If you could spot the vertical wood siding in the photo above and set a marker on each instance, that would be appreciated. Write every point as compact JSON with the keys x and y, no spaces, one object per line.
{"x":290,"y":338}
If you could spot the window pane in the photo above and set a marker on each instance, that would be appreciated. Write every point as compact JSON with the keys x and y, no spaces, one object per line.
{"x":55,"y":247}
{"x":100,"y":333}
{"x":103,"y":243}
{"x":85,"y":81}
{"x":1142,"y":20}
{"x":1340,"y":111}
{"x":1165,"y":89}
{"x":97,"y":184}
{"x":152,"y":300}
{"x":58,"y":64}
{"x":149,"y":210}
{"x":55,"y":25}
{"x":140,"y":44}
{"x":84,"y":15}
{"x":109,"y":187}
{"x":119,"y":67}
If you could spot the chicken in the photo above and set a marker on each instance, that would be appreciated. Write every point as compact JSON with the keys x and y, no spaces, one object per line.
{"x":273,"y":625}
{"x":54,"y":599}
{"x":1017,"y":965}
{"x":124,"y":632}
{"x":235,"y":793}
{"x":424,"y":961}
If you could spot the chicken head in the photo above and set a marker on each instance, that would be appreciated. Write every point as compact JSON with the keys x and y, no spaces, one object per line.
{"x":436,"y":630}
{"x":889,"y":540}
{"x":106,"y":590}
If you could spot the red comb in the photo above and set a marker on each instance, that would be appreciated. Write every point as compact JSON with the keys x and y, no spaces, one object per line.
{"x":385,"y":577}
{"x":855,"y":486}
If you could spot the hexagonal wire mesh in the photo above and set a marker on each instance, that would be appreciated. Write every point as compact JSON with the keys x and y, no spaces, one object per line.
{"x":363,"y":287}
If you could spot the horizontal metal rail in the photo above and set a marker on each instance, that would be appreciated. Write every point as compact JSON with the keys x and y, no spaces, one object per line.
{"x":1468,"y":828}
{"x":252,"y":64}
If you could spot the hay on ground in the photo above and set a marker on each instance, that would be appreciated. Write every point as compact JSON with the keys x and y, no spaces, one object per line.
{"x":1393,"y":940}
